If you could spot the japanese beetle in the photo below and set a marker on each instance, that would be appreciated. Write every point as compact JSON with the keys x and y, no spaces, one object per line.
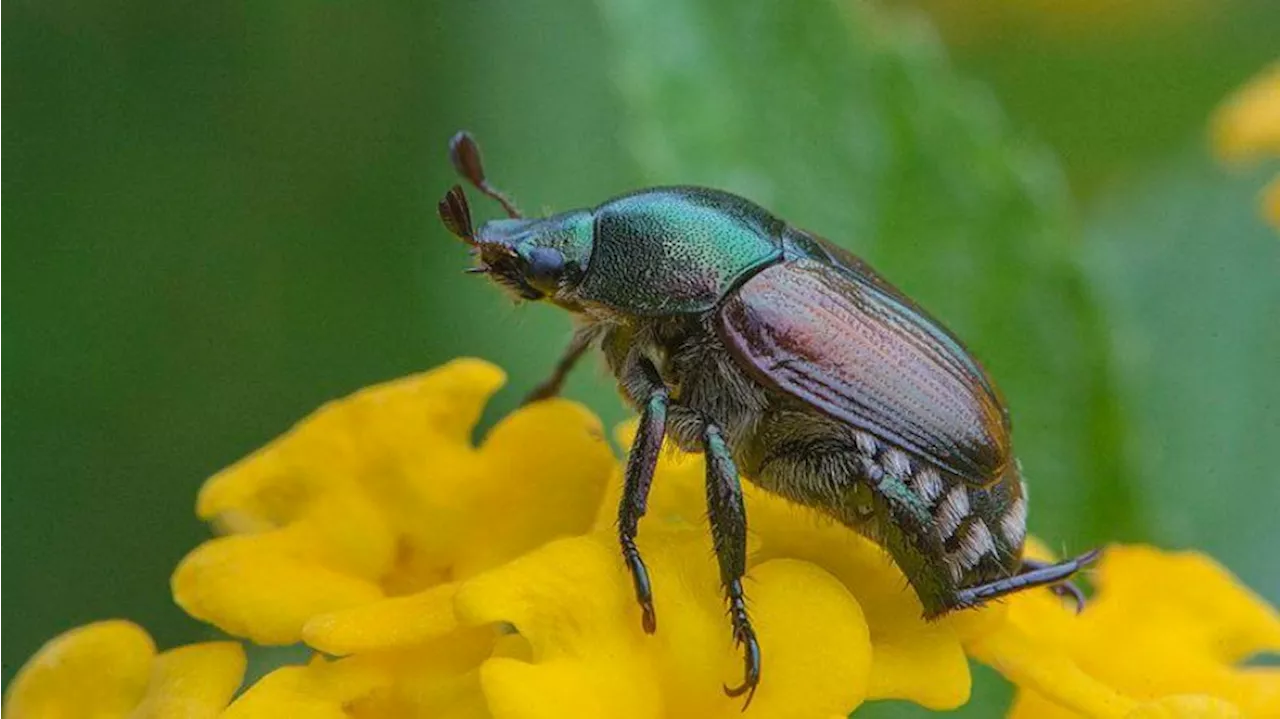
{"x":780,"y":355}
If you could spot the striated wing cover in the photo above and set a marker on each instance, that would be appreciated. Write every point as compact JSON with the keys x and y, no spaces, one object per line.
{"x":845,"y":342}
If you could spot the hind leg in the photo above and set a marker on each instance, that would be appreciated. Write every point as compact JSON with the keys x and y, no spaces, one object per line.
{"x":1034,"y":574}
{"x":729,"y":533}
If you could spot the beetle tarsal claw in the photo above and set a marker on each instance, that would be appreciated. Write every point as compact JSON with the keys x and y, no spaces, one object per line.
{"x":1069,"y":590}
{"x":744,"y":637}
{"x":748,"y":688}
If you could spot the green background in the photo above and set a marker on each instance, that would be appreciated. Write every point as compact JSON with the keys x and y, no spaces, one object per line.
{"x":220,"y":215}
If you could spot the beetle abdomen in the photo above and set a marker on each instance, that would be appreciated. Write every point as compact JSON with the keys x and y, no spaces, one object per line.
{"x":859,"y":356}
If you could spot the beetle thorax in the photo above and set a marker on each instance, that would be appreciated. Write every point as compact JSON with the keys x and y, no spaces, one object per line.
{"x":675,"y":250}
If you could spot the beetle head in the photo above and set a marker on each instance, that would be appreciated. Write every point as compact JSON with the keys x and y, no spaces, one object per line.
{"x":541,"y":258}
{"x":536,"y":258}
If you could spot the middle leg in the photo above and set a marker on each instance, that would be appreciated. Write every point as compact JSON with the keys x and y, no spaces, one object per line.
{"x":729,"y":532}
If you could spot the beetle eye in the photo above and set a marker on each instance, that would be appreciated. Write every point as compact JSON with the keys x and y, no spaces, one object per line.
{"x":545,"y":265}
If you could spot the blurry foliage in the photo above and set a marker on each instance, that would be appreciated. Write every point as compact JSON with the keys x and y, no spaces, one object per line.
{"x":1189,"y":277}
{"x":1111,"y":86}
{"x":221,"y":215}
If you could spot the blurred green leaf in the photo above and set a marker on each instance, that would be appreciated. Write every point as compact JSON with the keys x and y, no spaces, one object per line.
{"x":852,"y":124}
{"x":1190,"y":279}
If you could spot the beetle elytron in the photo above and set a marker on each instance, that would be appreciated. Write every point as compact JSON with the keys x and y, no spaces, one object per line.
{"x":780,"y":355}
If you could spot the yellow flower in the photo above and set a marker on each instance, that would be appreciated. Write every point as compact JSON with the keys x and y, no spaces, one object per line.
{"x":111,"y":669}
{"x":380,"y":502}
{"x":1164,"y":636}
{"x":438,"y":679}
{"x":471,"y":582}
{"x":1247,"y":127}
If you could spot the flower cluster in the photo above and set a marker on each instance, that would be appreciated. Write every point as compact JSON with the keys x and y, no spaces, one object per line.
{"x":438,"y":577}
{"x":1247,"y":127}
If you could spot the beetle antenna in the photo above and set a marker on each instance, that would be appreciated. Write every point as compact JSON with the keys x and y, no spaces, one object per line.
{"x":465,"y":154}
{"x":455,"y":213}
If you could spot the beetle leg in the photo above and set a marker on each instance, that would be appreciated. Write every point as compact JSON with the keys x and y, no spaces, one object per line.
{"x":550,"y":387}
{"x":1066,"y":589}
{"x":635,"y":494}
{"x":729,"y":531}
{"x":1036,"y":576}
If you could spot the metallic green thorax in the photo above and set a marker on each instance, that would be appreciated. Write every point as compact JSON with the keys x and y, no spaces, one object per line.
{"x":676,"y":250}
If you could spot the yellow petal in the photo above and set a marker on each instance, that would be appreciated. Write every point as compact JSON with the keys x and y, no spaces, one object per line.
{"x":247,"y":587}
{"x":1162,"y":624}
{"x":583,"y":627}
{"x":573,"y":602}
{"x":1167,"y":623}
{"x":320,"y":690}
{"x":1027,"y":704}
{"x":538,"y":475}
{"x":1247,"y":125}
{"x":1187,"y":706}
{"x":1049,"y":673}
{"x":382,"y":493}
{"x":818,"y":648}
{"x":438,"y":680}
{"x":913,"y":659}
{"x":346,"y":532}
{"x":904,"y":662}
{"x":1186,"y":592}
{"x":99,"y":670}
{"x":545,"y":471}
{"x":386,"y":624}
{"x":288,"y":692}
{"x":346,"y":441}
{"x":192,"y":682}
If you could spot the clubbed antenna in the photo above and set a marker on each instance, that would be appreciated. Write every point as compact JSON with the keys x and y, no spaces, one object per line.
{"x":456,"y":214}
{"x":465,"y":154}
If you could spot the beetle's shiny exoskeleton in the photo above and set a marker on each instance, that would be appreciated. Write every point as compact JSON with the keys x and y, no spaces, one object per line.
{"x":783,"y":357}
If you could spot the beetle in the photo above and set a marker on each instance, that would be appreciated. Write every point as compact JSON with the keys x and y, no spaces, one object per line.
{"x":785,"y":358}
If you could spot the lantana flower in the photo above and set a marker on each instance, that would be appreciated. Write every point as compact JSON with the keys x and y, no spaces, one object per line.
{"x":436,"y":577}
{"x":1166,"y":634}
{"x":380,"y":502}
{"x":1246,"y":127}
{"x":111,"y":669}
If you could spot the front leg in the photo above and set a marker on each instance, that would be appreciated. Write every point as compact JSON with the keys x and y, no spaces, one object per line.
{"x":729,"y":532}
{"x":550,"y":387}
{"x":635,"y":492}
